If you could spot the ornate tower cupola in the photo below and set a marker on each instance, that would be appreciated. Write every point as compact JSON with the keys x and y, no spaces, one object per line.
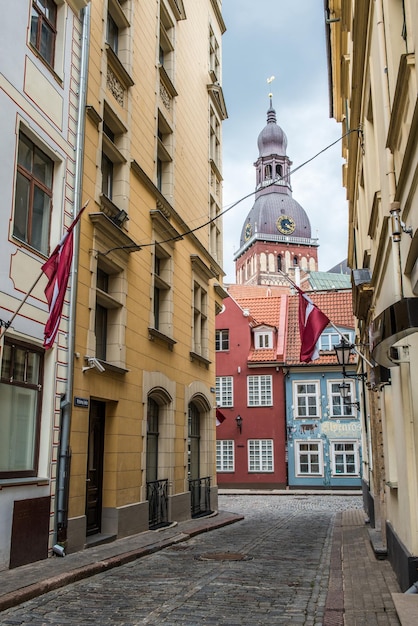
{"x":273,"y":163}
{"x":276,"y":235}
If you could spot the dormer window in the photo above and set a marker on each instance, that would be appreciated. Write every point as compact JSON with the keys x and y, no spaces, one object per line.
{"x":330,"y":338}
{"x":263,"y":338}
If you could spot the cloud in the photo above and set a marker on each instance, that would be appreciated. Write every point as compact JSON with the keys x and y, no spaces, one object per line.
{"x":287,"y":40}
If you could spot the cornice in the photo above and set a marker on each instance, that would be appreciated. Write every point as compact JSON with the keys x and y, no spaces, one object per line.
{"x":218,"y":14}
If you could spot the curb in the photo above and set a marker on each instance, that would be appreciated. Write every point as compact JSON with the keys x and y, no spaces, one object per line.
{"x":334,"y":604}
{"x":14,"y":598}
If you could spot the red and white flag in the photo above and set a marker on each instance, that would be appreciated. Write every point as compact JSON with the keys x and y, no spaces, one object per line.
{"x":57,"y":269}
{"x":220,"y":417}
{"x":312,"y":322}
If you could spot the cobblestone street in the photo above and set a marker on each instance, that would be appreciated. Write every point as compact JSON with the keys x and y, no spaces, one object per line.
{"x":270,"y":568}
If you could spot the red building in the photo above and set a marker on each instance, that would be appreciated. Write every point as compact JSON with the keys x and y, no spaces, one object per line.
{"x":250,"y":343}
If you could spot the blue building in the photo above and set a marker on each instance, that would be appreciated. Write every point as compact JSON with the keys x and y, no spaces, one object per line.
{"x":324,"y":430}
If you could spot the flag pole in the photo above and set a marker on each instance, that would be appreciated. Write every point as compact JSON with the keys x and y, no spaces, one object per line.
{"x":4,"y":329}
{"x":16,"y":313}
{"x":299,"y":290}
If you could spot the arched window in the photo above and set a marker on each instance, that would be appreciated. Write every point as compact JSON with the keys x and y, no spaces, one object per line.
{"x":267,"y":171}
{"x":279,"y":171}
{"x":295,"y":260}
{"x":194,"y":441}
{"x":152,"y":440}
{"x":279,"y":262}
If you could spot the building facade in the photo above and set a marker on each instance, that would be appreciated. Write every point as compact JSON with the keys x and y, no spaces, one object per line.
{"x":373,"y":87}
{"x":324,"y":430}
{"x":250,"y":334}
{"x":298,"y":421}
{"x":276,"y":234}
{"x":40,"y":86}
{"x":142,"y":431}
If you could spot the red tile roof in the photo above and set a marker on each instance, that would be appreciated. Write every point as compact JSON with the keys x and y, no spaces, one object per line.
{"x":337,"y":306}
{"x":238,"y":292}
{"x":270,"y":310}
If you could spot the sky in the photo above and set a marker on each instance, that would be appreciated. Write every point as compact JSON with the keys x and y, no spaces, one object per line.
{"x":284,"y":39}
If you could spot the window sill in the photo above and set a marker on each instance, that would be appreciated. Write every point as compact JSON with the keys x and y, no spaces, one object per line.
{"x":198,"y":357}
{"x":20,"y":482}
{"x":153,"y":333}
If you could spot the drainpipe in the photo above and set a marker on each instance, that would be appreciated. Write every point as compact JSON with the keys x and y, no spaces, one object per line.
{"x":390,"y":168}
{"x":61,"y":514}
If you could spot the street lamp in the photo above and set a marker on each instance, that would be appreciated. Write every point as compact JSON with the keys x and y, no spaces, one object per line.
{"x":345,"y":389}
{"x":343,"y":351}
{"x":238,"y":420}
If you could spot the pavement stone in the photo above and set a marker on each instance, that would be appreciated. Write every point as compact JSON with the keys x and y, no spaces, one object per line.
{"x":343,"y":583}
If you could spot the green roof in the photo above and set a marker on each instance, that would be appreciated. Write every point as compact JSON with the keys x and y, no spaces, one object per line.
{"x":329,"y":280}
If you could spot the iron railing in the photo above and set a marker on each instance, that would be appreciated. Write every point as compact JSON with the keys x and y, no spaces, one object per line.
{"x":157,"y":496}
{"x":200,"y":496}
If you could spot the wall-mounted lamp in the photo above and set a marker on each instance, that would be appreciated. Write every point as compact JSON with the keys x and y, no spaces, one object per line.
{"x":345,"y":389}
{"x":120,"y":218}
{"x":238,"y":420}
{"x":343,"y":351}
{"x":398,"y":226}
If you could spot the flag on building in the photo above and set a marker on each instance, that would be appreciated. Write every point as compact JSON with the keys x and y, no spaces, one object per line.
{"x":57,"y":269}
{"x":220,"y":417}
{"x":312,"y":322}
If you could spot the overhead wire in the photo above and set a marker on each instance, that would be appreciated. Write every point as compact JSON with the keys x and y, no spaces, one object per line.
{"x":234,"y":204}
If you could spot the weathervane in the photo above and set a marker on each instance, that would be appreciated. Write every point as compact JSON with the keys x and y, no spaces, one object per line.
{"x":269,"y":81}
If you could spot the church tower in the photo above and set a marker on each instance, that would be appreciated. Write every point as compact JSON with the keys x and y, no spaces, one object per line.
{"x":276,"y":234}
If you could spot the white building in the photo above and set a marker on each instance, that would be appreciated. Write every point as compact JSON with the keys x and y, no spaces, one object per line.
{"x":41,"y":53}
{"x":372,"y":52}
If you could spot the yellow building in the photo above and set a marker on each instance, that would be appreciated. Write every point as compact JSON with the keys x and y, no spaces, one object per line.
{"x":149,"y":284}
{"x":373,"y":76}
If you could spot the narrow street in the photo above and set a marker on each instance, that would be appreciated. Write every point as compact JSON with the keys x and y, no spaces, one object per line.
{"x":270,"y":568}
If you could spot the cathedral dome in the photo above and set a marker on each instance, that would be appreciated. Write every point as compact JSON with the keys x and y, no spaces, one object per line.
{"x":272,"y":139}
{"x":272,"y":215}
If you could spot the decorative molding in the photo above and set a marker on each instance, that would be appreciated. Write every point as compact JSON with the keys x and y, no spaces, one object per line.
{"x":217,"y":97}
{"x":121,"y":240}
{"x":220,"y":291}
{"x":374,"y":214}
{"x":194,"y":356}
{"x":165,"y":97}
{"x":115,"y":87}
{"x":167,"y":82}
{"x":154,"y":333}
{"x":93,"y":115}
{"x":165,"y":229}
{"x":201,"y":268}
{"x":400,"y":100}
{"x":177,"y":7}
{"x":218,"y":14}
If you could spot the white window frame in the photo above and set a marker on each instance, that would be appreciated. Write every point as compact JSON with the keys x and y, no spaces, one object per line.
{"x":263,"y":338}
{"x":346,"y":410}
{"x":345,"y":453}
{"x":310,"y":452}
{"x":261,"y":455}
{"x":222,"y":338}
{"x":225,"y":455}
{"x":330,"y":338}
{"x":224,"y":391}
{"x":260,"y":390}
{"x":308,"y":395}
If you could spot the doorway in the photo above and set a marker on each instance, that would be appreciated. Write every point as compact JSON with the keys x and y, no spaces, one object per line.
{"x":94,"y":478}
